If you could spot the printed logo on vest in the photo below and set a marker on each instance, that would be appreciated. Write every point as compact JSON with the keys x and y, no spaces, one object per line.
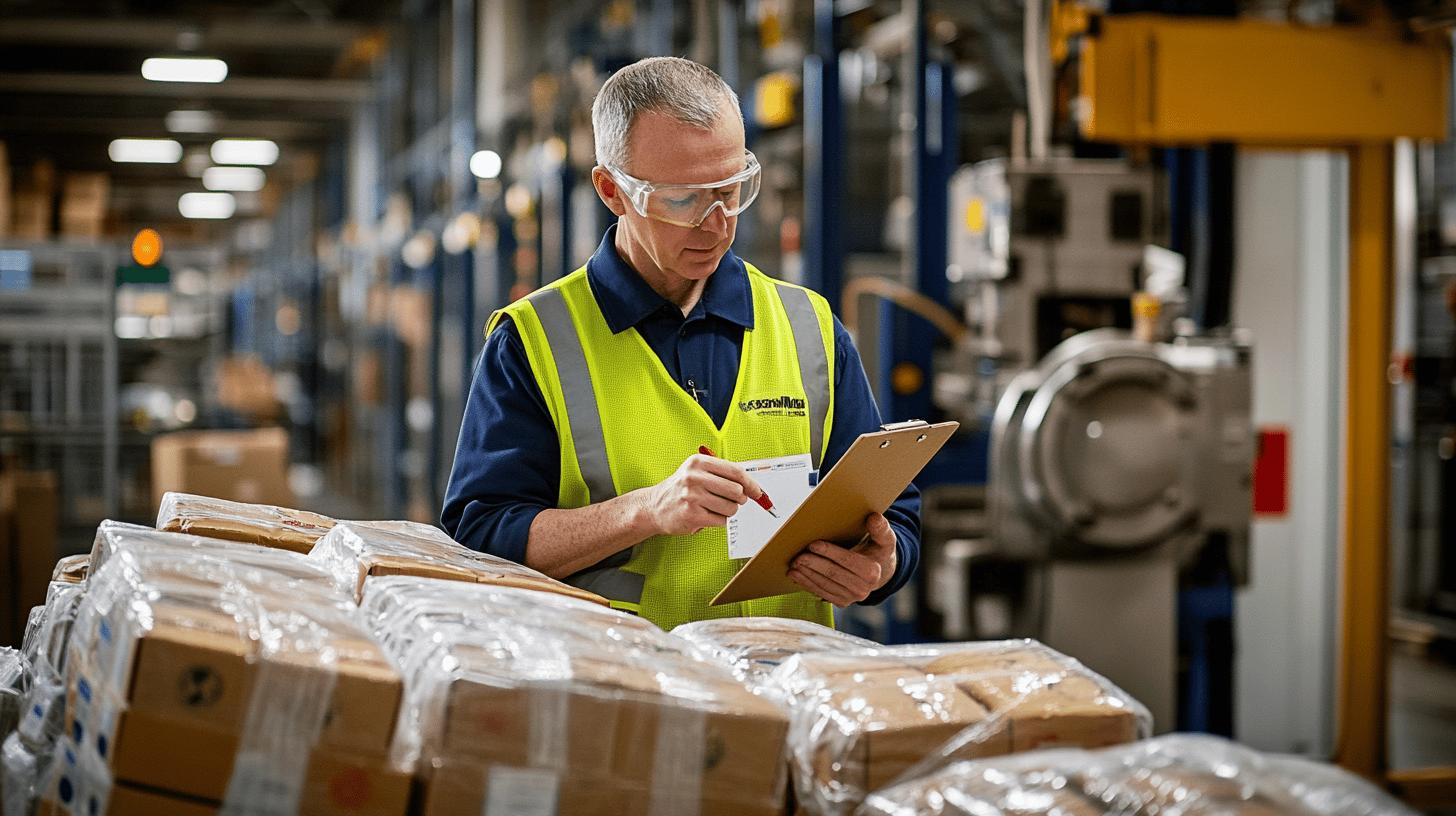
{"x":785,"y":406}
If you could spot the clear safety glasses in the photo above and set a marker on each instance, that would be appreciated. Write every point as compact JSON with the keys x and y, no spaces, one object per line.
{"x":689,"y":205}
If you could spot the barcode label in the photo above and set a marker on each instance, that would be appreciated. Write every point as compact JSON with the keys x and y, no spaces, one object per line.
{"x":521,"y":792}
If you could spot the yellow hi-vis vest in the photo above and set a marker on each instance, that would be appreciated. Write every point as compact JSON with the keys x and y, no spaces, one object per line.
{"x":624,"y":424}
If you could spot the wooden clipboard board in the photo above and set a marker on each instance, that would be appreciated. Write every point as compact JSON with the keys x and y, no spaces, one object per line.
{"x":871,"y":475}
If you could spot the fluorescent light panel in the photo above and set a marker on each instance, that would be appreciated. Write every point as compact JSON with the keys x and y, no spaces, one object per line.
{"x":245,"y":151}
{"x":191,"y":121}
{"x":147,"y":151}
{"x":184,"y":69}
{"x":233,"y":179}
{"x":206,"y":205}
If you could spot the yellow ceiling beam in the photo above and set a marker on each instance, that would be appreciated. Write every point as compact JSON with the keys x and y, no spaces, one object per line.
{"x":1151,"y":79}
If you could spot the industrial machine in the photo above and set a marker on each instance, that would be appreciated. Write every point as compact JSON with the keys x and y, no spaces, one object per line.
{"x":1118,"y":467}
{"x":1039,"y":251}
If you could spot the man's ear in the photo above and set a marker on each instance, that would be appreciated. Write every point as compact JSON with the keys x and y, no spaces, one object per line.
{"x":608,"y":190}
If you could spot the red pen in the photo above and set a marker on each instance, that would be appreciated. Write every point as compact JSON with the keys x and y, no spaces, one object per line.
{"x":762,"y":501}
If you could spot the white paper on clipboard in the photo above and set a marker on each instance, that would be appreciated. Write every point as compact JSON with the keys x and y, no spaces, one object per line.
{"x":876,"y":468}
{"x":786,"y":480}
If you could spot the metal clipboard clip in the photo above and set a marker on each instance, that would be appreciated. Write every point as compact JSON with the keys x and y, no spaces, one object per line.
{"x":907,"y":424}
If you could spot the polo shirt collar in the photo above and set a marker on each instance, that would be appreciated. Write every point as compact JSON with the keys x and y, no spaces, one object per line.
{"x":626,"y":300}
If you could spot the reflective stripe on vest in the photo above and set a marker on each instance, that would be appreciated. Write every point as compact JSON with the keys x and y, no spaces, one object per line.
{"x":581,"y":397}
{"x":813,"y":364}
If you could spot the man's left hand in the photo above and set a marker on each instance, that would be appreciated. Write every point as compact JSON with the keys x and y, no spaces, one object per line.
{"x":844,"y":576}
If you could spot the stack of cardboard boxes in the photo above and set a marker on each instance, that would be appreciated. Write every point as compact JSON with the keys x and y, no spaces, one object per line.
{"x":864,"y":715}
{"x":203,"y":670}
{"x":322,"y":666}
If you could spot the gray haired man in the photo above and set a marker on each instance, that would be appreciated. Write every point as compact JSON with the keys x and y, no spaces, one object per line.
{"x":610,"y":409}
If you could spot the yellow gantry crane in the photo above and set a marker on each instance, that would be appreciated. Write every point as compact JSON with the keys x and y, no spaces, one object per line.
{"x":1161,"y":81}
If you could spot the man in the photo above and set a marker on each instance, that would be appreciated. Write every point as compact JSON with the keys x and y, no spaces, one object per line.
{"x":579,"y":449}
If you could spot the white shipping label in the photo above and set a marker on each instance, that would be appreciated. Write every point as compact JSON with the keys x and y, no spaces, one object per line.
{"x":521,"y":792}
{"x":786,"y":480}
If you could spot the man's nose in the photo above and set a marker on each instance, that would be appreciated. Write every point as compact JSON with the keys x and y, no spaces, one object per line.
{"x":717,"y":220}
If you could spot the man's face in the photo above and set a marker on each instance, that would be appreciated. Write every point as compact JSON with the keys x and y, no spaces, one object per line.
{"x":663,"y":150}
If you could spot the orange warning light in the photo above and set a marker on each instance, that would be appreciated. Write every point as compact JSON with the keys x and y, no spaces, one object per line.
{"x":146,"y":247}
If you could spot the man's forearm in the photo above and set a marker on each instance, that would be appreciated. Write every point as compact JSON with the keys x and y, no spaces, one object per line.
{"x":564,"y":542}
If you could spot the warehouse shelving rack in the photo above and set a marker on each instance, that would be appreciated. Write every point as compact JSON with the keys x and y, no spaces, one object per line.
{"x":58,"y":375}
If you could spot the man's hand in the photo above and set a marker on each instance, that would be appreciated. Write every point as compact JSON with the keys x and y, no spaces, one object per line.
{"x":703,"y":492}
{"x":843,"y":576}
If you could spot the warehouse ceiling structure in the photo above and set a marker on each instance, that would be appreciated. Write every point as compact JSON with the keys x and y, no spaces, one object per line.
{"x":71,"y":82}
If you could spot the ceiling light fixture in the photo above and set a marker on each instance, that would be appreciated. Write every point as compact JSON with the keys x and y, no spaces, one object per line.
{"x":206,"y":205}
{"x":147,"y":151}
{"x":245,"y":151}
{"x":233,"y":179}
{"x":184,"y":69}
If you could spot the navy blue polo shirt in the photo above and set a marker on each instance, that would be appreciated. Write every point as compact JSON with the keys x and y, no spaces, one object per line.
{"x":507,"y":462}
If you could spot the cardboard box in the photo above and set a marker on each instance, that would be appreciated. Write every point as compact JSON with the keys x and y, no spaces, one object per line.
{"x":194,"y":669}
{"x":614,"y":719}
{"x":72,"y":569}
{"x":246,"y":466}
{"x":84,"y":201}
{"x":265,"y":525}
{"x":863,"y":719}
{"x":896,"y":716}
{"x":1045,"y":704}
{"x":246,"y":385}
{"x":357,"y":551}
{"x":29,"y":514}
{"x":754,"y":647}
{"x":465,"y":789}
{"x":334,"y":786}
{"x":126,"y":800}
{"x":283,"y":568}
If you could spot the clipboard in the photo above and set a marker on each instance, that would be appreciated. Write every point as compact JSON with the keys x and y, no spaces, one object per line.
{"x":872,"y":474}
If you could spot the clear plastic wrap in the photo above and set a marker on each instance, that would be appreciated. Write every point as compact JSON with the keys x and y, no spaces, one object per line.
{"x":19,"y":768}
{"x":263,"y":524}
{"x":861,"y":719}
{"x":754,"y":647}
{"x":1182,"y":774}
{"x":526,"y":702}
{"x":212,"y":670}
{"x":48,"y":634}
{"x":358,"y":550}
{"x":14,"y":678}
{"x":42,"y":700}
{"x":114,"y":535}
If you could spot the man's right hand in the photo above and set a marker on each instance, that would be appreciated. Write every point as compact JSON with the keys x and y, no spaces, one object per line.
{"x":703,"y":492}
